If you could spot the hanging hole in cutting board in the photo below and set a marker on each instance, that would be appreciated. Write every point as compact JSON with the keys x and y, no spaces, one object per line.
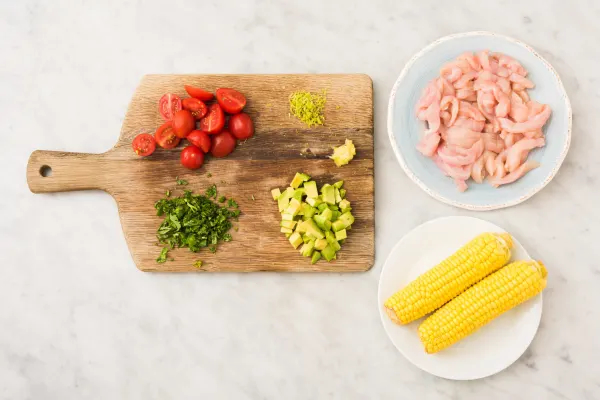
{"x":46,"y":171}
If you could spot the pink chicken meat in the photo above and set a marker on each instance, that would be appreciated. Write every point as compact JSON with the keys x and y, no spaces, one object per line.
{"x":480,"y":120}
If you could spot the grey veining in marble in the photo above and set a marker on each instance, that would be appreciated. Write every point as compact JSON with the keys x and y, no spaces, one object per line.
{"x":79,"y":321}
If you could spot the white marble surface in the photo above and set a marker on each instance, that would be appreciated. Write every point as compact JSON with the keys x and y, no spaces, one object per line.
{"x":79,"y":321}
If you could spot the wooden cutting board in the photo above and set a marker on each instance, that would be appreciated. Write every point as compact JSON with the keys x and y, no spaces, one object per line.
{"x":281,"y":146}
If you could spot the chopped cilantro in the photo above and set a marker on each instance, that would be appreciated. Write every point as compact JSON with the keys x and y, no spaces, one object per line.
{"x":212,"y":248}
{"x":163,"y":255}
{"x":211,"y":192}
{"x":168,"y":193}
{"x":209,"y":175}
{"x":222,"y":199}
{"x":232,"y":203}
{"x":181,"y":182}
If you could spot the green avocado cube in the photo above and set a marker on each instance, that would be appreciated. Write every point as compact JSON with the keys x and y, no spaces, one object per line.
{"x":312,"y":228}
{"x":299,"y":178}
{"x":327,"y":213}
{"x":336,"y":246}
{"x":338,"y":184}
{"x":330,"y":237}
{"x":275,"y":193}
{"x":287,"y":217}
{"x":308,"y":238}
{"x":321,"y":207}
{"x":338,"y":225}
{"x":328,"y":253}
{"x":283,"y":202}
{"x":343,"y":193}
{"x":347,"y":217}
{"x":310,"y":188}
{"x":338,"y":197}
{"x":334,"y":208}
{"x":295,"y":239}
{"x":320,"y":244}
{"x":286,"y":230}
{"x":315,"y":257}
{"x":288,"y":224}
{"x":344,"y":205}
{"x":314,"y":201}
{"x":307,"y":210}
{"x":298,"y":193}
{"x":307,"y":249}
{"x":322,"y":222}
{"x":301,"y":227}
{"x":340,"y":235}
{"x":329,"y":194}
{"x":294,"y":207}
{"x":336,"y":215}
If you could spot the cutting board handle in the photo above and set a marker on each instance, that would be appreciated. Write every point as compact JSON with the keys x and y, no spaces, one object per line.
{"x":57,"y":171}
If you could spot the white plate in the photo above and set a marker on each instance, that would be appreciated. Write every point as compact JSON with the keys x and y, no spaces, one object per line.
{"x":487,"y":351}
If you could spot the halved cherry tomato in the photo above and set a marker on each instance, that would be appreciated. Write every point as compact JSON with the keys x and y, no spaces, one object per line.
{"x":214,"y":121}
{"x":199,"y":139}
{"x":241,"y":126}
{"x":195,"y":106}
{"x":231,"y":100}
{"x":168,"y":105}
{"x":192,"y":157}
{"x":165,"y":137}
{"x":198,"y":93}
{"x":144,"y":144}
{"x":183,"y":123}
{"x":222,"y":144}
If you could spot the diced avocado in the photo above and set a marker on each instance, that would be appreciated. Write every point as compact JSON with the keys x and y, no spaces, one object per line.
{"x":347,"y":217}
{"x":298,"y":179}
{"x":313,"y":229}
{"x":283,"y":202}
{"x":322,"y":222}
{"x":327,"y":214}
{"x":338,"y":198}
{"x":295,"y":239}
{"x":294,"y":207}
{"x":343,"y":193}
{"x":298,"y":193}
{"x":310,"y":188}
{"x":289,"y":192}
{"x":328,"y":253}
{"x":330,"y":237}
{"x":336,"y":215}
{"x":315,"y":257}
{"x":342,"y":155}
{"x":308,"y":210}
{"x":287,"y":217}
{"x":314,"y":201}
{"x":275,"y":193}
{"x":322,"y":207}
{"x":288,"y":224}
{"x":286,"y":230}
{"x":324,"y":186}
{"x":301,"y":228}
{"x":338,"y":184}
{"x":307,"y":249}
{"x":333,"y":208}
{"x":340,"y":235}
{"x":320,"y":244}
{"x":329,"y":194}
{"x":344,"y":205}
{"x":308,"y":238}
{"x":338,"y":225}
{"x":287,"y":235}
{"x":336,"y":246}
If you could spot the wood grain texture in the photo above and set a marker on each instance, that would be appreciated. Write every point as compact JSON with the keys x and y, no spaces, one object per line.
{"x":281,"y":147}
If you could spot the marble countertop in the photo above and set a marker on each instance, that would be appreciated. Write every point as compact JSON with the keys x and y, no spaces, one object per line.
{"x":79,"y":321}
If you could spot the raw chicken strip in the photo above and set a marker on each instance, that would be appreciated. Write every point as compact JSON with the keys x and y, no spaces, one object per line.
{"x":513,"y":176}
{"x":478,"y":170}
{"x":514,"y":154}
{"x":429,"y":144}
{"x":534,"y":122}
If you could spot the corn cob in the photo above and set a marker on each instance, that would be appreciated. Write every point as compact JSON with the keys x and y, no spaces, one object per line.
{"x":478,"y":305}
{"x":480,"y":257}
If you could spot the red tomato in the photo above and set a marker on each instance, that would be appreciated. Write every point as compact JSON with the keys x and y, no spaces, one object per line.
{"x":199,"y":139}
{"x":192,"y":157}
{"x":195,"y":106}
{"x":183,"y":123}
{"x":168,"y":105}
{"x":231,"y":100}
{"x":198,"y":93}
{"x":241,"y":126}
{"x":214,"y":121}
{"x":165,"y":137}
{"x":222,"y":144}
{"x":144,"y":144}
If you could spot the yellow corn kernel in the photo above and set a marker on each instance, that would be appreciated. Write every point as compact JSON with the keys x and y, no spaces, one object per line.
{"x":480,"y":257}
{"x":481,"y":303}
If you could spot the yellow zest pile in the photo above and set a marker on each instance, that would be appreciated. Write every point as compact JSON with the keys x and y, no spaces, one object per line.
{"x":308,"y":107}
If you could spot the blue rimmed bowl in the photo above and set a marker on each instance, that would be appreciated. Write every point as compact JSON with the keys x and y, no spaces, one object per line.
{"x":405,"y":130}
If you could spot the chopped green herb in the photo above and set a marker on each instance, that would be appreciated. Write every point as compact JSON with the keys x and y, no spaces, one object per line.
{"x":181,"y":182}
{"x":212,"y":248}
{"x":232,"y":203}
{"x":211,"y":192}
{"x":192,"y":221}
{"x":209,"y":175}
{"x":163,"y":255}
{"x":168,"y":193}
{"x":222,"y":199}
{"x":235,"y":228}
{"x":198,"y":264}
